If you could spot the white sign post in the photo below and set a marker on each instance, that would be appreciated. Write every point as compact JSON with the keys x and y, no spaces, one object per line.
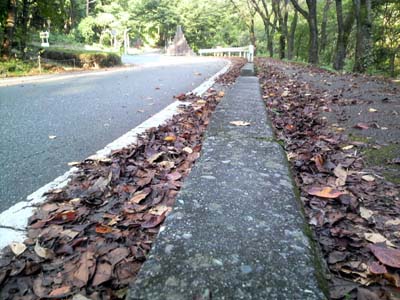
{"x":44,"y":35}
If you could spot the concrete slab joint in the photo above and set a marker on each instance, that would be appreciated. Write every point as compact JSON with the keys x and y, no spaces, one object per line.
{"x":236,"y":231}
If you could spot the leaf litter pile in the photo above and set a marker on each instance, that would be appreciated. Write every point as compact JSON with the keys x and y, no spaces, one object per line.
{"x":89,"y":239}
{"x":355,"y":213}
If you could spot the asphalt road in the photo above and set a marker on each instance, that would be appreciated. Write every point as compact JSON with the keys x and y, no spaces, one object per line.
{"x":85,"y":112}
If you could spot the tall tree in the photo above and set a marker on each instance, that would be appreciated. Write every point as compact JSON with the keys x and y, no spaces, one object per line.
{"x":269,"y":27}
{"x":247,"y":12}
{"x":343,"y":33}
{"x":280,"y":9}
{"x":292,"y":34}
{"x":364,"y":35}
{"x":324,"y":24}
{"x":9,"y":28}
{"x":311,"y":16}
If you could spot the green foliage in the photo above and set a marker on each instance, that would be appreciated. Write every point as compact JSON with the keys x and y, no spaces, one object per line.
{"x":86,"y":59}
{"x":86,"y":31}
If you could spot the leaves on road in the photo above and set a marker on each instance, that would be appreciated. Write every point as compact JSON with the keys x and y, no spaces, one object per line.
{"x":355,"y":216}
{"x":89,"y":239}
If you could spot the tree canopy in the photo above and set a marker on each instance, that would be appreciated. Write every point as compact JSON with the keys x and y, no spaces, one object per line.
{"x":358,"y":35}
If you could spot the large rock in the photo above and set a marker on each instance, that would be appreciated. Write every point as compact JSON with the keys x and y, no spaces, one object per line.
{"x":180,"y":46}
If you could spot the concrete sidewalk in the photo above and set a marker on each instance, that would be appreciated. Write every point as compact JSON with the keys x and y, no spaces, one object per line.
{"x":236,"y":231}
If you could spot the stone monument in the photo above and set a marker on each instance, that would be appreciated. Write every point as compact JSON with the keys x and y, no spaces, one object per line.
{"x":179,"y":46}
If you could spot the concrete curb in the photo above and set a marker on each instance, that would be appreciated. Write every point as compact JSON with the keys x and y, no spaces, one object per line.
{"x":236,"y":231}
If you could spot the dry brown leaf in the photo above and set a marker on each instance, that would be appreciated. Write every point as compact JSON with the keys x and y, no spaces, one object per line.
{"x":376,"y":268}
{"x":325,"y":192}
{"x":17,"y":248}
{"x":60,"y":292}
{"x":139,"y":196}
{"x":167,"y":164}
{"x":387,"y":256}
{"x":159,"y":210}
{"x":221,"y":94}
{"x":348,"y":147}
{"x":103,"y":273}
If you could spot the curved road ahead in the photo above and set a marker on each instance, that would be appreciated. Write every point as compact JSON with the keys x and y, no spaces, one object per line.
{"x":85,"y":111}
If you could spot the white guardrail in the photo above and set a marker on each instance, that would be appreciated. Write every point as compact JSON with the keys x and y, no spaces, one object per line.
{"x":247,"y":52}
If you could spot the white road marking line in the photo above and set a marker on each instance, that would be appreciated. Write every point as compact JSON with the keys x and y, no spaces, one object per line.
{"x":17,"y":215}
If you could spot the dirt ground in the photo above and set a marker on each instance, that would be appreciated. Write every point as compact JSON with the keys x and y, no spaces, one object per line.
{"x":365,"y":108}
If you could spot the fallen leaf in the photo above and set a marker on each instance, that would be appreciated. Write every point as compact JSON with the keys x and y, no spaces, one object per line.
{"x":52,"y":137}
{"x":103,"y":229}
{"x":79,"y":297}
{"x":285,"y":94}
{"x":201,"y":102}
{"x":154,"y":157}
{"x":377,"y":238}
{"x":42,"y":252}
{"x":139,"y":196}
{"x":103,"y":273}
{"x":221,"y":94}
{"x":364,"y":294}
{"x":372,"y":110}
{"x":180,"y":97}
{"x":387,"y":256}
{"x":348,"y":147}
{"x":188,"y":150}
{"x":159,"y":210}
{"x":341,"y":175}
{"x":240,"y":123}
{"x":17,"y":248}
{"x":394,"y":222}
{"x":361,"y":126}
{"x":154,"y":221}
{"x":376,"y":268}
{"x":86,"y":266}
{"x":394,"y":278}
{"x":174,"y":176}
{"x":325,"y":192}
{"x":60,"y":292}
{"x":74,"y":163}
{"x":167,"y":164}
{"x":366,"y":213}
{"x":368,"y":178}
{"x":170,"y":138}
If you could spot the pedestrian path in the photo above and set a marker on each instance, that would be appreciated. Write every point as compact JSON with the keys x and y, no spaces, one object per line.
{"x":236,"y":231}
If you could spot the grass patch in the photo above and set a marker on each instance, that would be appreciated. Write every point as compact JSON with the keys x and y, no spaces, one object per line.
{"x":17,"y":67}
{"x":381,"y":158}
{"x":83,"y":58}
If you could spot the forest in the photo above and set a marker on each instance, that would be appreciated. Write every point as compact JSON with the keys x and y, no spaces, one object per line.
{"x":351,"y":35}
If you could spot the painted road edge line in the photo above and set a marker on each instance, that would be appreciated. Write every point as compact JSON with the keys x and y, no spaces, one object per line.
{"x":14,"y":220}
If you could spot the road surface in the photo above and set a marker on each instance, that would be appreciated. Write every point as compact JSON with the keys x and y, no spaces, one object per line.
{"x":49,"y":121}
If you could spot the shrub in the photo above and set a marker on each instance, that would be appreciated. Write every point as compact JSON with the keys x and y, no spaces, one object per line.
{"x":85,"y":59}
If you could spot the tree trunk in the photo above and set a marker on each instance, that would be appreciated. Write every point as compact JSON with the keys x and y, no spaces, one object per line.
{"x":311,"y":17}
{"x":9,"y":29}
{"x":313,"y":27}
{"x":392,"y":59}
{"x":253,"y":34}
{"x":270,"y":39}
{"x":344,"y":30}
{"x":292,"y":33}
{"x":24,"y":25}
{"x":324,"y":25}
{"x":363,"y":39}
